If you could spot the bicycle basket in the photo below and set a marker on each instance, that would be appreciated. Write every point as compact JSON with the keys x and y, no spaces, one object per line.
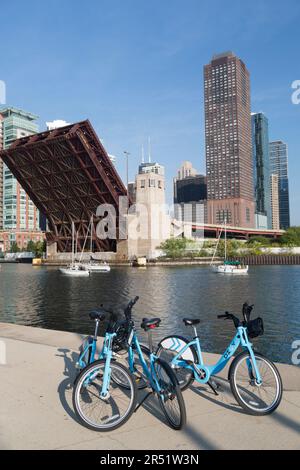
{"x":120,"y":341}
{"x":255,"y":327}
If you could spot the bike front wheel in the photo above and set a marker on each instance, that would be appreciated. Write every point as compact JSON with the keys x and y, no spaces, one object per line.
{"x":109,"y":413}
{"x":169,"y":395}
{"x":256,"y":398}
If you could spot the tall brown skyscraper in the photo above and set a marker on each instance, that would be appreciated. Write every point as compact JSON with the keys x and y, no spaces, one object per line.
{"x":229,"y":170}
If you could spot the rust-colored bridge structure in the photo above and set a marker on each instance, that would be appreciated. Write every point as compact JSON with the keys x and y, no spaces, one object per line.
{"x":67,"y":174}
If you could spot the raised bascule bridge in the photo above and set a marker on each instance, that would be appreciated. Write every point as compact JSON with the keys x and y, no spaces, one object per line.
{"x":67,"y":174}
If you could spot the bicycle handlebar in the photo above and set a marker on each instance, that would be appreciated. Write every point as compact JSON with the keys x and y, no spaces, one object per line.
{"x":230,"y":316}
{"x":127,"y":310}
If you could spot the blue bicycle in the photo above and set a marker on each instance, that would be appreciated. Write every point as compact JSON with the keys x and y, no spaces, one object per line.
{"x":88,"y":349}
{"x":100,"y":403}
{"x":255,"y":381}
{"x":93,"y":402}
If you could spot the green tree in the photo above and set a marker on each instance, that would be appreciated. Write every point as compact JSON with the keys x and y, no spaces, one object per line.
{"x":14,"y":247}
{"x":259,"y":241}
{"x":174,"y":247}
{"x":40,"y":248}
{"x":31,"y":246}
{"x":291,"y":237}
{"x":232,"y":247}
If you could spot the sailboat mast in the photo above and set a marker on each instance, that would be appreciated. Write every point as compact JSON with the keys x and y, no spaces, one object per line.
{"x":72,"y":242}
{"x":225,"y":238}
{"x":91,"y":241}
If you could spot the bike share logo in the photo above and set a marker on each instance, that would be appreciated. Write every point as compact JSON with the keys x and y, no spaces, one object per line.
{"x":296,"y":353}
{"x":2,"y":92}
{"x":296,"y":93}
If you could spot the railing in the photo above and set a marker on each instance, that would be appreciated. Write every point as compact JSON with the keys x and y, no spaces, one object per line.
{"x":253,"y":260}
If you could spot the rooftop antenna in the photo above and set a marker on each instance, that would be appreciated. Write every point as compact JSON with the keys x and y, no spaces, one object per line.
{"x":143,"y":154}
{"x":149,"y":150}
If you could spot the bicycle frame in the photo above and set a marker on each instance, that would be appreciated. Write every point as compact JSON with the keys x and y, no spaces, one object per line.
{"x":150,"y":373}
{"x":107,"y":354}
{"x":240,"y":339}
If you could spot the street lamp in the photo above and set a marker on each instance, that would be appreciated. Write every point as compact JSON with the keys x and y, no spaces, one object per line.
{"x":127,"y":179}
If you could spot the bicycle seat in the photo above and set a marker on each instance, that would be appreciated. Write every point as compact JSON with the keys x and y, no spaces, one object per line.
{"x":150,"y":324}
{"x":97,"y":314}
{"x":191,"y":321}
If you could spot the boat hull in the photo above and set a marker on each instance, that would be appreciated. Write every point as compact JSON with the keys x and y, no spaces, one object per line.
{"x":74,"y":272}
{"x":232,"y":270}
{"x":96,"y":268}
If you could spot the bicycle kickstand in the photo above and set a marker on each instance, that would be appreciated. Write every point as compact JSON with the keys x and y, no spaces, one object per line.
{"x":209,"y":383}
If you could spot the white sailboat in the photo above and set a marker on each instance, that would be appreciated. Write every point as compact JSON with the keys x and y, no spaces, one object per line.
{"x":93,"y":266}
{"x":74,"y":269}
{"x":228,"y":267}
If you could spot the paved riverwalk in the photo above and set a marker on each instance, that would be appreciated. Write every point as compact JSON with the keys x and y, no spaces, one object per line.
{"x":36,"y":410}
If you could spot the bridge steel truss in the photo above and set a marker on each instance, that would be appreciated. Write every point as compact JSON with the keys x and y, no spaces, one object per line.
{"x":67,"y":174}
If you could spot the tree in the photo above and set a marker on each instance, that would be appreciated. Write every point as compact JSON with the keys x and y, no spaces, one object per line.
{"x":174,"y":247}
{"x":40,"y":248}
{"x":259,"y":241}
{"x":232,"y":247}
{"x":31,"y":246}
{"x":291,"y":237}
{"x":14,"y":248}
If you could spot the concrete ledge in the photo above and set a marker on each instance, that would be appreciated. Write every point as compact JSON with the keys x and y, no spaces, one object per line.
{"x":36,"y":410}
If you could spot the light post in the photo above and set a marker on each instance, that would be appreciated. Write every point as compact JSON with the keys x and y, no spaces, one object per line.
{"x":127,"y":178}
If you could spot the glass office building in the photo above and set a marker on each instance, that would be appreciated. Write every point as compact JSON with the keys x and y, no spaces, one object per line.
{"x":261,"y":170}
{"x":19,"y":211}
{"x":279,"y":166}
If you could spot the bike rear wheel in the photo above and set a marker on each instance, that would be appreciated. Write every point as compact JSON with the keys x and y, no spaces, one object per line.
{"x":256,"y":399}
{"x":170,"y":396}
{"x":104,"y":414}
{"x":168,"y":349}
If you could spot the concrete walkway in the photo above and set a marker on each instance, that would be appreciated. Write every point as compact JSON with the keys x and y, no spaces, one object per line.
{"x":36,"y":410}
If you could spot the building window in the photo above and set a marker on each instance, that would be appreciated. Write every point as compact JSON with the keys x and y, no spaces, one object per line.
{"x":151,"y":183}
{"x":223,"y":216}
{"x":143,"y":183}
{"x":247,"y":214}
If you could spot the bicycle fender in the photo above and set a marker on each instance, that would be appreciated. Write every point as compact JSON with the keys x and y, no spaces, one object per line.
{"x":176,"y":344}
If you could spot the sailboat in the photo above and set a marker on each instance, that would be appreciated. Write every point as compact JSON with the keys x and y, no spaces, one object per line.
{"x":74,"y":269}
{"x":228,"y":267}
{"x":93,"y":266}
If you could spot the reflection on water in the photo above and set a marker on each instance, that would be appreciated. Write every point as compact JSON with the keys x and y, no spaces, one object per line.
{"x":43,"y":297}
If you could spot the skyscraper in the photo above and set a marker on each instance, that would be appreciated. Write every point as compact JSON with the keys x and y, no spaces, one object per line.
{"x":261,"y":170}
{"x":19,"y":211}
{"x":228,"y":141}
{"x":279,"y":167}
{"x":274,"y":194}
{"x":186,"y":170}
{"x":1,"y":174}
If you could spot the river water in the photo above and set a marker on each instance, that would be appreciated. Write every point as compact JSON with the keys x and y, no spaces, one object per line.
{"x":43,"y":297}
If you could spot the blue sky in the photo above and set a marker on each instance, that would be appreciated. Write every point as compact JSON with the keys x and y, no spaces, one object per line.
{"x":135,"y":68}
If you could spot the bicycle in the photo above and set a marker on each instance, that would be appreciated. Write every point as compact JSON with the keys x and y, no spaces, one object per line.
{"x":155,"y":374}
{"x":88,"y":348}
{"x":100,"y":403}
{"x":254,"y":380}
